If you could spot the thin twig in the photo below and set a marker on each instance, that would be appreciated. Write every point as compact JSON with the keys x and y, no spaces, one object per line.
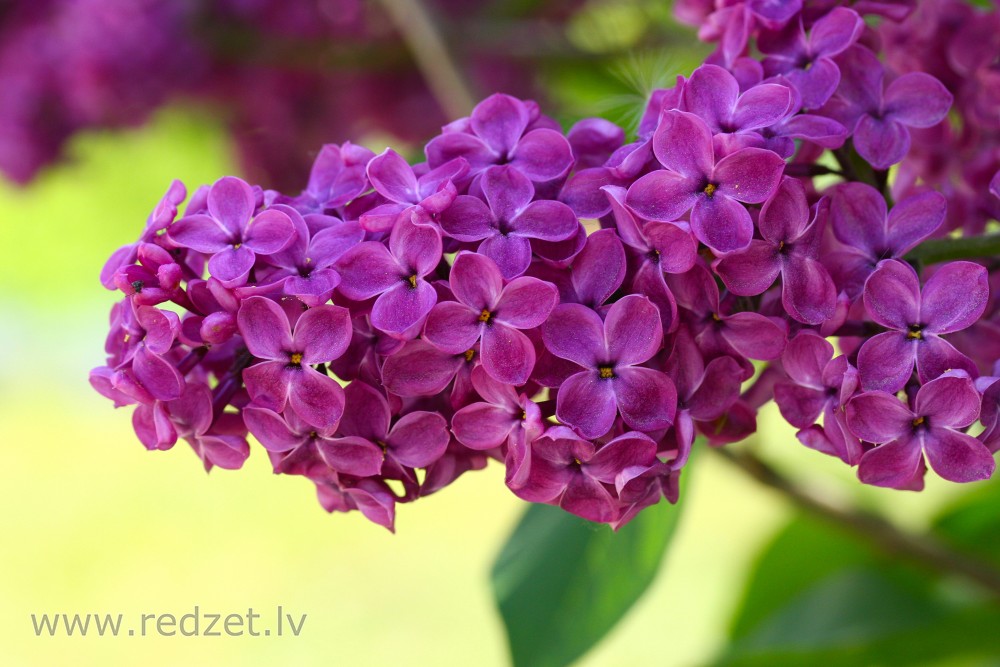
{"x":920,"y":549}
{"x":436,"y":65}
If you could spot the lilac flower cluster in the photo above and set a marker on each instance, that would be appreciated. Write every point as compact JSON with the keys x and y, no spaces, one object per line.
{"x":395,"y":325}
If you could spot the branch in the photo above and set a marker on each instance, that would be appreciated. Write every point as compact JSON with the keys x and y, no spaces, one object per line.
{"x":965,"y":247}
{"x":430,"y":52}
{"x":921,"y":549}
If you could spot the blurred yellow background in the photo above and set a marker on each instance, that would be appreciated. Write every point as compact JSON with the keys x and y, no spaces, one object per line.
{"x":93,"y":523}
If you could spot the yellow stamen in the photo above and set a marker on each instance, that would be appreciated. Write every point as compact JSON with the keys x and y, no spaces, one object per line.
{"x":716,"y":317}
{"x":607,"y":372}
{"x":485,"y":315}
{"x":413,"y":281}
{"x":296,"y":359}
{"x":710,"y":189}
{"x":918,"y":421}
{"x":469,"y":354}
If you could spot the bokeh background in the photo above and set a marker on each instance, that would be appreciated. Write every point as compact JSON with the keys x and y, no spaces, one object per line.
{"x":93,"y":523}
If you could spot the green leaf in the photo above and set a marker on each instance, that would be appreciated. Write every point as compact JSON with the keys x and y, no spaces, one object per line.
{"x":797,"y":558}
{"x":972,"y":524}
{"x":819,"y":595}
{"x":562,"y":582}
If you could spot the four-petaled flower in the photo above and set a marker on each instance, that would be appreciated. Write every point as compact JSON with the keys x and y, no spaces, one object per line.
{"x":285,"y":374}
{"x":493,"y":312}
{"x":613,"y":381}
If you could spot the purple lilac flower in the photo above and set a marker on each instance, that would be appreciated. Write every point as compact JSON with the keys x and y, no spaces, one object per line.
{"x":305,"y":269}
{"x":231,"y":233}
{"x":285,"y":375}
{"x":719,"y":332}
{"x":415,"y":440}
{"x":713,"y":94}
{"x":595,"y":274}
{"x":806,"y":59}
{"x":593,"y":141}
{"x":498,"y":133}
{"x":704,"y":391}
{"x":502,"y":418}
{"x":338,"y":176}
{"x":393,"y":178}
{"x":292,"y":438}
{"x":879,"y":118}
{"x":190,"y":416}
{"x":870,"y":233}
{"x":661,"y":247}
{"x":508,"y":220}
{"x":789,"y":247}
{"x":952,"y":299}
{"x":490,"y":311}
{"x":692,"y":179}
{"x":818,"y":384}
{"x":610,"y":352}
{"x":575,"y":475}
{"x":932,"y":428}
{"x":396,"y":275}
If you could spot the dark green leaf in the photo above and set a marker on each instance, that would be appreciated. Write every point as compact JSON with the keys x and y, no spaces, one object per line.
{"x":562,"y":582}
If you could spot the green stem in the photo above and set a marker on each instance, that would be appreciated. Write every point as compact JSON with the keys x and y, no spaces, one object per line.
{"x":873,"y":528}
{"x":965,"y":247}
{"x":430,"y":52}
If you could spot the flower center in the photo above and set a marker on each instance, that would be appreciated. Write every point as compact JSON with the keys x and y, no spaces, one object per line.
{"x":710,"y":189}
{"x":296,"y":359}
{"x":654,"y":256}
{"x":606,"y":372}
{"x":919,"y":421}
{"x":412,"y":280}
{"x":469,"y":354}
{"x":915,"y":332}
{"x":137,"y":285}
{"x":485,"y":316}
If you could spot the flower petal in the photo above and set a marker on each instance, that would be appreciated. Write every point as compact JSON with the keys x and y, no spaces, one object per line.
{"x":958,"y":457}
{"x":316,"y":398}
{"x":269,"y":232}
{"x":632,"y":330}
{"x":403,"y":306}
{"x":949,"y":401}
{"x":271,"y":430}
{"x":351,"y":456}
{"x":885,"y":361}
{"x":749,"y":175}
{"x":683,"y":144}
{"x":265,"y":329}
{"x":508,"y":355}
{"x":482,"y":426}
{"x":231,"y":202}
{"x":955,"y":297}
{"x":646,"y":398}
{"x":587,"y":402}
{"x":547,"y":220}
{"x":894,"y":464}
{"x":476,"y":281}
{"x":368,"y":269}
{"x":418,"y":439}
{"x":393,"y":178}
{"x":662,"y":195}
{"x":526,"y":302}
{"x":575,"y":332}
{"x":542,"y":155}
{"x":452,"y":327}
{"x":892,"y":295}
{"x":322,"y":334}
{"x":878,"y":417}
{"x":721,"y":223}
{"x":881,"y":142}
{"x":917,"y":99}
